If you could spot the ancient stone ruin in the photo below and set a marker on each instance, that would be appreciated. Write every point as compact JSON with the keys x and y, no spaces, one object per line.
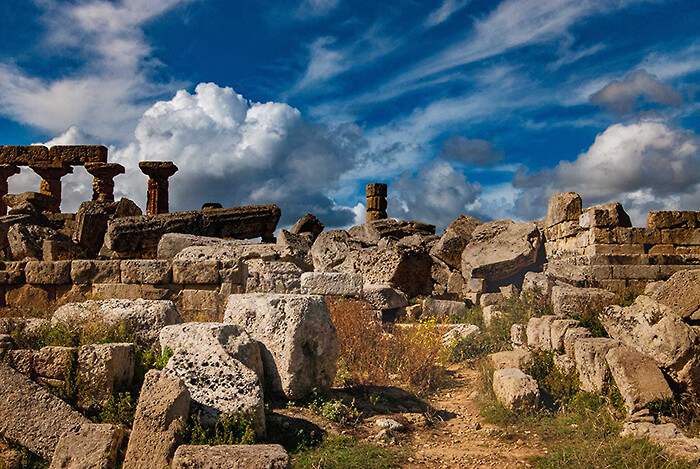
{"x":247,"y":321}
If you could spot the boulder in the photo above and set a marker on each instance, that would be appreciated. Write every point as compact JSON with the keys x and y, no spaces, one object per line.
{"x":638,"y":378}
{"x":31,"y":416}
{"x":145,"y":317}
{"x":330,"y":250}
{"x":539,"y":335}
{"x":273,"y":277}
{"x":161,"y":415}
{"x":102,"y":368}
{"x":572,"y":301}
{"x":308,"y":224}
{"x":457,"y":235}
{"x":516,"y":390}
{"x":300,"y":343}
{"x":605,"y":216}
{"x":384,"y":297}
{"x":89,"y":446}
{"x":231,"y":457}
{"x":331,"y":283}
{"x":459,"y":332}
{"x":681,"y":293}
{"x":511,"y":359}
{"x":404,"y":267}
{"x":374,"y":231}
{"x":668,"y":436}
{"x":590,"y":361}
{"x":563,"y":207}
{"x":537,"y":283}
{"x":442,"y":309}
{"x":500,"y":249}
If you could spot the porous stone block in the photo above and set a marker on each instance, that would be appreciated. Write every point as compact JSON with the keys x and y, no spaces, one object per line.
{"x":615,"y":249}
{"x":457,"y":235}
{"x":562,"y":230}
{"x":681,"y":293}
{"x":331,"y":283}
{"x":78,"y":154}
{"x":153,"y":272}
{"x":558,"y":332}
{"x":539,"y":336}
{"x":94,"y":446}
{"x":48,"y":273}
{"x":489,"y":299}
{"x":681,"y":236}
{"x":196,"y":272}
{"x":573,"y":301}
{"x":476,"y":285}
{"x":518,"y":336}
{"x":273,"y":277}
{"x":489,"y":313}
{"x":511,"y":359}
{"x":384,"y":297}
{"x":602,"y":236}
{"x":459,"y":332}
{"x":638,"y":235}
{"x":53,"y":362}
{"x":35,"y":296}
{"x":23,"y":155}
{"x":12,"y":273}
{"x":121,"y":291}
{"x":563,"y":207}
{"x":161,"y":415}
{"x":573,"y":335}
{"x":231,"y":457}
{"x":643,"y":272}
{"x":590,"y":361}
{"x":516,"y":390}
{"x":605,"y":215}
{"x":86,"y":272}
{"x":672,"y":219}
{"x":200,"y":301}
{"x":102,"y":368}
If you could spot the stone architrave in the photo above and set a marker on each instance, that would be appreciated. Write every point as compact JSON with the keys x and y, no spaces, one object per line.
{"x":51,"y":174}
{"x":6,"y":170}
{"x":376,"y":202}
{"x":158,"y":173}
{"x":103,"y":182}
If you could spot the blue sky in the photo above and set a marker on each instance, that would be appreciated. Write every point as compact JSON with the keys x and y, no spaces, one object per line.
{"x":480,"y":107}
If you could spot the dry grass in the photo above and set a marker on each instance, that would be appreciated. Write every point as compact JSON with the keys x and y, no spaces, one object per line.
{"x":370,"y":356}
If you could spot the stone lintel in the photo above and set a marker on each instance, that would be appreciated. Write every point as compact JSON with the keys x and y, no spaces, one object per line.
{"x":78,"y":155}
{"x":23,"y":155}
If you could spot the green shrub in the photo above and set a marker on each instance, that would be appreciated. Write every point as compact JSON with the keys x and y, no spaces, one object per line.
{"x":119,"y":410}
{"x":556,"y":388}
{"x":235,"y":429}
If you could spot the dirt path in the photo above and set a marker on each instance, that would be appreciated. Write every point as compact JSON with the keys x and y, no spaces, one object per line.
{"x":463,"y":439}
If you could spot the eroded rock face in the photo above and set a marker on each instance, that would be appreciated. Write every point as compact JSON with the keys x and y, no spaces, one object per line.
{"x":681,"y":293}
{"x":146,"y":317}
{"x":589,"y":354}
{"x":516,"y":390}
{"x":573,"y":301}
{"x":563,"y":207}
{"x":298,"y":336}
{"x":231,"y":457}
{"x":92,"y":445}
{"x":451,"y":245}
{"x":330,"y":250}
{"x":500,"y":249}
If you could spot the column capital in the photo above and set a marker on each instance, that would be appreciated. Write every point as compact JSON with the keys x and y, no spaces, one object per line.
{"x":158,"y":169}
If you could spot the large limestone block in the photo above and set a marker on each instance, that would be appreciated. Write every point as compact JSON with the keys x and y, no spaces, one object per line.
{"x":85,"y":272}
{"x":668,"y":436}
{"x":331,"y":283}
{"x":330,"y":250}
{"x":26,"y":241}
{"x":500,"y":249}
{"x":300,"y":343}
{"x":232,"y":266}
{"x":638,"y":378}
{"x":573,"y":335}
{"x":459,"y":332}
{"x":308,"y":224}
{"x":511,"y":359}
{"x":681,"y":293}
{"x":605,"y":215}
{"x":231,"y":457}
{"x":374,"y":231}
{"x":31,"y":416}
{"x":273,"y":277}
{"x":573,"y":301}
{"x":563,"y":207}
{"x":516,"y":390}
{"x":161,"y":415}
{"x":441,"y":309}
{"x":384,"y":297}
{"x":590,"y":361}
{"x":457,"y":235}
{"x":558,"y":330}
{"x":102,"y":368}
{"x":539,"y":335}
{"x":407,"y":268}
{"x":148,"y":271}
{"x":48,"y":273}
{"x":92,"y":446}
{"x":219,"y":385}
{"x":145,"y":317}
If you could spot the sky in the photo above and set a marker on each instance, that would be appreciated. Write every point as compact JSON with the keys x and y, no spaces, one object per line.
{"x":484,"y":107}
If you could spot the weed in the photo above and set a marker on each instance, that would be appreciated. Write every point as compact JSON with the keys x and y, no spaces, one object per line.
{"x":336,"y":410}
{"x":343,"y":452}
{"x":556,"y":388}
{"x":119,"y":410}
{"x":234,"y":429}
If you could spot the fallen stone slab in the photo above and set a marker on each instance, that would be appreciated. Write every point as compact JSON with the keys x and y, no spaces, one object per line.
{"x":563,"y":207}
{"x":516,"y":390}
{"x":231,"y":457}
{"x":161,"y":415}
{"x":638,"y":378}
{"x":451,"y":244}
{"x":537,"y":283}
{"x":300,"y":343}
{"x":374,"y":231}
{"x":102,"y":368}
{"x":459,"y":332}
{"x":500,"y":249}
{"x":139,"y":236}
{"x":539,"y":333}
{"x":681,"y":293}
{"x":145,"y":317}
{"x":590,"y":361}
{"x":384,"y":297}
{"x":308,"y":224}
{"x":331,"y":283}
{"x":511,"y":359}
{"x":94,"y":446}
{"x":572,"y":301}
{"x":441,"y":309}
{"x":330,"y":250}
{"x":273,"y":277}
{"x":31,"y":416}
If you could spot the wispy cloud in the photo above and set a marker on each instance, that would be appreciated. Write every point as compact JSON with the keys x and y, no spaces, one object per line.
{"x":444,"y":12}
{"x":316,"y":7}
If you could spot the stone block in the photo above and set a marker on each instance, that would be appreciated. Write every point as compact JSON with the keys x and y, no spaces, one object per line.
{"x":572,"y":301}
{"x":602,"y":236}
{"x":519,"y":359}
{"x":615,"y":249}
{"x":563,"y":207}
{"x":457,"y":235}
{"x":442,"y":309}
{"x":488,"y":299}
{"x":153,"y":272}
{"x":196,"y":272}
{"x":489,"y":313}
{"x":35,"y":296}
{"x":231,"y":457}
{"x":562,"y":230}
{"x":23,"y":155}
{"x":476,"y":285}
{"x":591,"y":363}
{"x":161,"y":415}
{"x":48,"y":273}
{"x":87,"y":272}
{"x":53,"y":362}
{"x":672,"y":219}
{"x":384,"y":297}
{"x":102,"y":368}
{"x":638,"y":235}
{"x":516,"y":390}
{"x":558,"y":331}
{"x":12,"y":273}
{"x":539,"y":336}
{"x":273,"y":277}
{"x":78,"y":155}
{"x":331,"y":283}
{"x":605,"y":215}
{"x":94,"y":446}
{"x":681,"y":293}
{"x":573,"y":335}
{"x":643,"y":272}
{"x":682,"y":236}
{"x":518,"y":336}
{"x":199,"y":301}
{"x":662,"y":249}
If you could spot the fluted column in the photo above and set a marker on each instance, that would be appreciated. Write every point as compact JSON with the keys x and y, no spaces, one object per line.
{"x":158,"y":173}
{"x":103,"y":180}
{"x":376,"y":202}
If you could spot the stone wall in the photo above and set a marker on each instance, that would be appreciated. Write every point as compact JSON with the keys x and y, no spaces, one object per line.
{"x":598,"y":247}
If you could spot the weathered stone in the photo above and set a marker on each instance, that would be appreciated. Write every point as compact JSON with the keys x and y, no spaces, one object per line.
{"x":161,"y":415}
{"x":537,"y":283}
{"x":127,"y":208}
{"x":672,"y":219}
{"x":152,"y":272}
{"x":500,"y":249}
{"x":441,"y":309}
{"x":53,"y":362}
{"x":571,"y":336}
{"x":590,"y":361}
{"x":516,"y":390}
{"x":681,"y":293}
{"x":23,"y":155}
{"x":308,"y":224}
{"x":102,"y":368}
{"x":94,"y":446}
{"x":231,"y":457}
{"x":196,"y":272}
{"x":103,"y":180}
{"x":457,"y":235}
{"x":140,"y":235}
{"x":78,"y":154}
{"x":558,"y":330}
{"x":299,"y":338}
{"x":31,"y":416}
{"x":564,"y":364}
{"x":491,"y":299}
{"x":38,"y":297}
{"x":519,"y":359}
{"x":51,"y":174}
{"x":26,"y":241}
{"x":518,"y":336}
{"x":573,"y":301}
{"x":90,"y":226}
{"x":48,"y":273}
{"x":41,"y":202}
{"x":491,"y":313}
{"x":84,"y":272}
{"x":158,"y":173}
{"x":637,"y":377}
{"x":563,"y":207}
{"x":539,"y":335}
{"x":372,"y":232}
{"x":666,"y":435}
{"x":384,"y":297}
{"x":459,"y":332}
{"x":605,"y":215}
{"x":298,"y":242}
{"x":330,"y":250}
{"x":331,"y":283}
{"x":146,"y":317}
{"x":273,"y":277}
{"x":61,"y":250}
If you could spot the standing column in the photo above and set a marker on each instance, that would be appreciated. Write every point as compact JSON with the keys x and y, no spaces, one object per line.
{"x":376,"y":202}
{"x":6,"y":170}
{"x":51,"y":174}
{"x":103,"y":182}
{"x":158,"y":173}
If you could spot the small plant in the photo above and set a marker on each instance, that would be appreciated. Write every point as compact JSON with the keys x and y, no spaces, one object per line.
{"x":342,"y":452}
{"x":335,"y":410}
{"x":234,"y":429}
{"x":119,"y":410}
{"x":556,"y":388}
